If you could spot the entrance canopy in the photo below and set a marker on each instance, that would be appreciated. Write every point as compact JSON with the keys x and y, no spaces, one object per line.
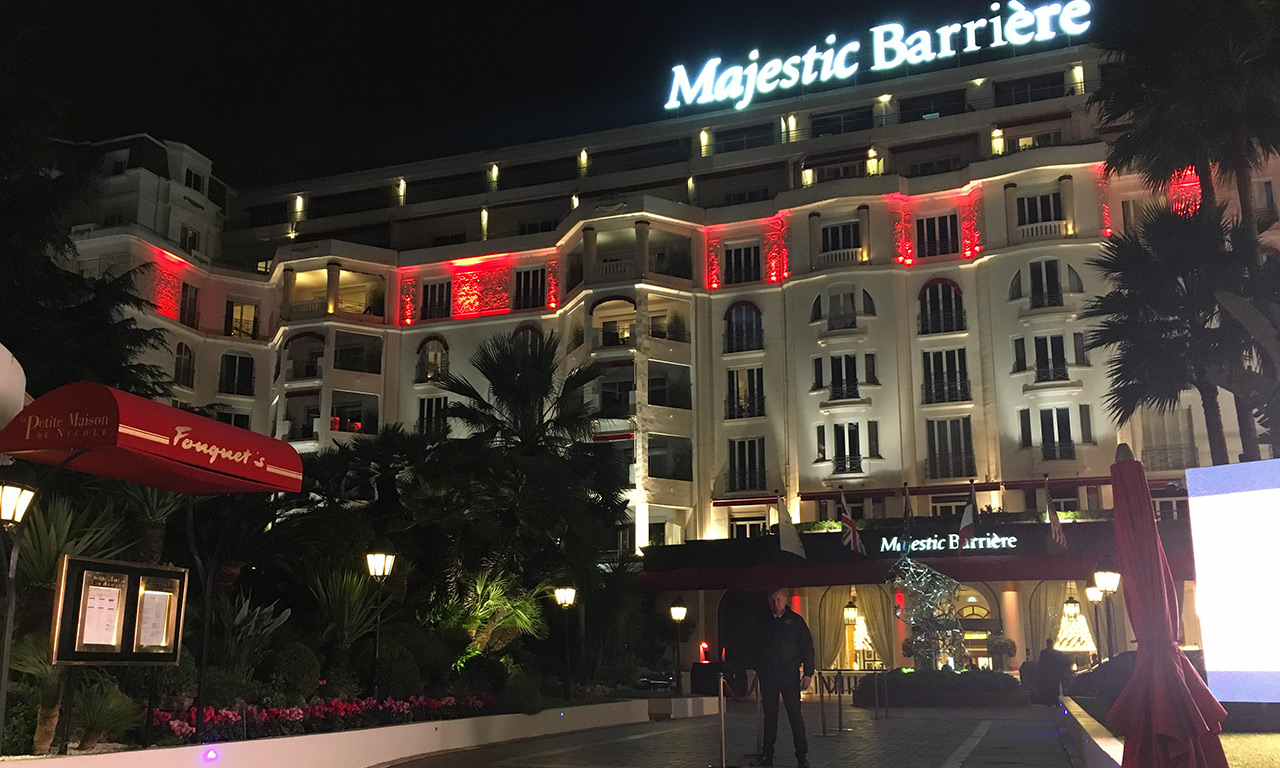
{"x":130,"y":438}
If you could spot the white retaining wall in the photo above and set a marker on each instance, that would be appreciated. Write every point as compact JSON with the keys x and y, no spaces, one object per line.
{"x":1097,"y":746}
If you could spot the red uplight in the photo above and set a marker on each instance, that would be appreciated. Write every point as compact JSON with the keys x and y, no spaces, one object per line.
{"x":1106,"y":231}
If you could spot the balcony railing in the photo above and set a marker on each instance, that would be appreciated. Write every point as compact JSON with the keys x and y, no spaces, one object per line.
{"x":945,"y":391}
{"x":952,"y":465}
{"x":743,"y":341}
{"x":623,"y":336}
{"x":309,"y":308}
{"x":243,"y":328}
{"x":340,"y":424}
{"x":746,"y":481}
{"x":1056,"y":450}
{"x":840,"y":257}
{"x":304,"y":369}
{"x":425,"y":372}
{"x":943,"y":322}
{"x":1165,"y":457}
{"x":1041,"y":230}
{"x":846,"y":465}
{"x":847,"y":390}
{"x":1042,"y":299}
{"x":432,"y":427}
{"x":842,"y":321}
{"x":1051,"y":373}
{"x":436,"y":309}
{"x":745,"y":408}
{"x":615,"y":269}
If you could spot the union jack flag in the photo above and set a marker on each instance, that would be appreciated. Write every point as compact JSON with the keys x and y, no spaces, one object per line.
{"x":1055,"y":525}
{"x":848,"y":530}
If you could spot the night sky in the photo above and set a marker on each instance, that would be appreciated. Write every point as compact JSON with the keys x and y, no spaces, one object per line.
{"x":285,"y":91}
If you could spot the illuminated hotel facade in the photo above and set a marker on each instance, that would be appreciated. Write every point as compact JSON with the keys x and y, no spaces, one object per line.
{"x":849,"y":290}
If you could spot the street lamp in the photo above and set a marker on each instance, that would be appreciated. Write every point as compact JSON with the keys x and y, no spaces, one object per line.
{"x":1095,"y":596}
{"x":678,"y":612}
{"x":380,"y":559}
{"x":17,"y":489}
{"x":564,"y":598}
{"x":1107,"y":580}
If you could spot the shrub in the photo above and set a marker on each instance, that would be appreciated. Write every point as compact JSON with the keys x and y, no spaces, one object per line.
{"x":398,"y":674}
{"x":484,"y":674}
{"x":102,"y":709}
{"x":925,"y":681}
{"x":522,"y":694}
{"x":294,"y":672}
{"x":999,"y":645}
{"x":439,"y":651}
{"x":20,"y":718}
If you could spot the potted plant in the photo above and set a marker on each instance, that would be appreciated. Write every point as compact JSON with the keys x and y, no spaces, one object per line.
{"x":1000,"y":648}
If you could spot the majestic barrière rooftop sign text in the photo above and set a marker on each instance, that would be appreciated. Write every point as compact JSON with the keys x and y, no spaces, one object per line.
{"x":891,"y":47}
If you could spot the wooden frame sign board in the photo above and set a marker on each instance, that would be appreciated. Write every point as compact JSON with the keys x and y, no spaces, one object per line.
{"x":110,"y":612}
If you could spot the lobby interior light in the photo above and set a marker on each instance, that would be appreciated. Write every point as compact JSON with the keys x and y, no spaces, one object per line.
{"x":850,"y":613}
{"x":1071,"y":608}
{"x":17,"y":487}
{"x":565,"y":596}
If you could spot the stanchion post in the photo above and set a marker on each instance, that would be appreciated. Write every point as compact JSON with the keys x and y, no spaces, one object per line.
{"x":839,"y":700}
{"x":822,"y":699}
{"x":720,"y":688}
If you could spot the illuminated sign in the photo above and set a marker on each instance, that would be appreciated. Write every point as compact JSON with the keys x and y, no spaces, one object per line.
{"x":948,"y":542}
{"x":890,"y":45}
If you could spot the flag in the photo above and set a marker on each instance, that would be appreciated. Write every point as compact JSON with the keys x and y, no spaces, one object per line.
{"x":966,"y":520}
{"x":788,"y":536}
{"x":1055,"y":525}
{"x":848,"y":530}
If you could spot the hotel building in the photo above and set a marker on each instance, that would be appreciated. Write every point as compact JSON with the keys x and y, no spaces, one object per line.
{"x":847,"y":291}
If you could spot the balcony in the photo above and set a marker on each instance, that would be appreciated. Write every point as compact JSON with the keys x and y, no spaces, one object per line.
{"x":1058,"y":450}
{"x":616,"y":269}
{"x":840,"y":258}
{"x":745,"y":408}
{"x":1160,"y":458}
{"x":945,"y":391}
{"x":744,"y":341}
{"x":942,"y":322}
{"x":429,"y":371}
{"x":847,"y":390}
{"x":1042,"y":299}
{"x":614,"y":337}
{"x":944,"y":465}
{"x":846,"y":465}
{"x":437,"y":428}
{"x":309,"y":309}
{"x":842,"y":321}
{"x":746,"y":481}
{"x":340,"y":424}
{"x":1044,"y":230}
{"x":1056,"y":372}
{"x":298,"y":370}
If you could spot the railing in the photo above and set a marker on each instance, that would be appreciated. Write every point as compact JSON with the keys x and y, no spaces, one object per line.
{"x":846,"y":465}
{"x":942,"y":322}
{"x":1041,"y":230}
{"x":425,"y":372}
{"x":616,"y":409}
{"x":1051,"y":373}
{"x":436,"y":310}
{"x":339,"y":424}
{"x":1053,"y":450}
{"x":242,"y":328}
{"x":305,"y":310}
{"x":230,"y":386}
{"x":617,"y":337}
{"x":847,"y":390}
{"x":616,"y":268}
{"x":303,"y":431}
{"x":680,"y":398}
{"x":189,"y":317}
{"x":842,"y":321}
{"x":738,"y":275}
{"x":746,"y":481}
{"x":1042,"y":299}
{"x":438,"y":427}
{"x":1164,"y":457}
{"x":952,"y":465}
{"x":746,"y":408}
{"x":744,"y":341}
{"x":304,"y":369}
{"x":840,"y":257}
{"x":945,"y":391}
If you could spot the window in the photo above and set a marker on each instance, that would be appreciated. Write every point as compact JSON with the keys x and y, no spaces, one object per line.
{"x":451,"y":239}
{"x":236,"y":419}
{"x":433,"y":416}
{"x":1046,"y":284}
{"x":937,"y":165}
{"x":1038,"y":208}
{"x":670,"y":457}
{"x":946,"y":377}
{"x":437,"y":299}
{"x":953,"y":504}
{"x":844,"y":377}
{"x":868,"y":304}
{"x":815,"y":310}
{"x":931,"y":106}
{"x":240,"y":320}
{"x":1051,"y":358}
{"x":1082,"y":352}
{"x":1046,"y":139}
{"x":1074,"y":283}
{"x":841,"y":237}
{"x":742,"y":264}
{"x":187,"y":314}
{"x":670,"y":385}
{"x":1086,"y":425}
{"x":1019,"y":355}
{"x":950,"y":446}
{"x":937,"y":235}
{"x":843,"y":309}
{"x":1168,"y":439}
{"x":869,"y":369}
{"x":746,"y":526}
{"x":1029,"y":89}
{"x":817,"y":374}
{"x":194,"y":181}
{"x":1055,"y":434}
{"x":848,"y":449}
{"x":743,"y":328}
{"x":1064,"y":499}
{"x":873,"y":439}
{"x":1015,"y":286}
{"x":534,"y":227}
{"x":836,"y":123}
{"x":941,"y":308}
{"x":184,"y":367}
{"x":617,"y":395}
{"x":1024,"y":427}
{"x":188,"y":238}
{"x":854,"y":170}
{"x":531,"y":288}
{"x":820,"y":453}
{"x":746,"y":465}
{"x":745,"y":398}
{"x":357,"y":352}
{"x":749,"y":137}
{"x":237,"y":374}
{"x":433,"y":361}
{"x":754,"y":195}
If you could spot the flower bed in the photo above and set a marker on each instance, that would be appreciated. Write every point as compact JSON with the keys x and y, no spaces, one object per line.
{"x":255,"y":722}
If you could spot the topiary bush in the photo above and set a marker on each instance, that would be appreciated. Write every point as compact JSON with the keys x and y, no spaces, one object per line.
{"x":294,"y":672}
{"x":483,"y":674}
{"x":523,"y":693}
{"x":398,"y":674}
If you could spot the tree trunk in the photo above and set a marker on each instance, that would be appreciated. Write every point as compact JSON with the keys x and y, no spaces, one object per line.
{"x":1249,"y":449}
{"x":1248,"y":220}
{"x":90,"y":740}
{"x":46,"y":725}
{"x":1213,"y":423}
{"x":1208,"y":196}
{"x":150,"y":542}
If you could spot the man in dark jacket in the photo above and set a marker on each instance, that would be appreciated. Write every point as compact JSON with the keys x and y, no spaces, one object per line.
{"x":784,"y":668}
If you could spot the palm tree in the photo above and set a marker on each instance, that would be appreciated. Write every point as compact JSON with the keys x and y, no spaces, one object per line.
{"x":151,"y":510}
{"x":1161,"y":317}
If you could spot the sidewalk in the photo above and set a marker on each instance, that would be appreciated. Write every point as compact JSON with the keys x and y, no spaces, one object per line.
{"x":910,"y":738}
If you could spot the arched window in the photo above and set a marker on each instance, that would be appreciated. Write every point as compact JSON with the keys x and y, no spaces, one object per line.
{"x":868,"y":304}
{"x":433,"y":360}
{"x":743,"y":329}
{"x":815,"y":312}
{"x":842,"y":303}
{"x":941,"y":307}
{"x":527,"y":335}
{"x":1074,"y":283}
{"x":237,"y":374}
{"x":184,"y":367}
{"x":1015,"y":286}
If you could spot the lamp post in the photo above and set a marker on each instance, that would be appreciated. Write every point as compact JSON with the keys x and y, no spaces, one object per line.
{"x":564,"y":598}
{"x":380,"y":559}
{"x":1095,"y":596}
{"x":678,"y":612}
{"x":17,"y":488}
{"x":851,"y":620}
{"x":1107,"y":579}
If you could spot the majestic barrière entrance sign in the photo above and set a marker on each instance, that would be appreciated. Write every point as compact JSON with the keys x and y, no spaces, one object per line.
{"x":891,"y":47}
{"x":948,"y":543}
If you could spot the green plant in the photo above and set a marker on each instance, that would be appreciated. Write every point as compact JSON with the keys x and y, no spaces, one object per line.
{"x":819,"y":525}
{"x":999,"y":645}
{"x":101,"y":708}
{"x":495,"y":610}
{"x":398,"y":675}
{"x":31,"y":658}
{"x":55,"y":528}
{"x":523,"y":693}
{"x":242,"y":633}
{"x":295,"y":671}
{"x":351,"y":604}
{"x":484,"y":674}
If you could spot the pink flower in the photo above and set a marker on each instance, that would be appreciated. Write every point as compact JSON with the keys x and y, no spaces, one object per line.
{"x":181,"y":729}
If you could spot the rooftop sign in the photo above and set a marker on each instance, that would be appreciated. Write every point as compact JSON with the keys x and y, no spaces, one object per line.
{"x":890,"y":45}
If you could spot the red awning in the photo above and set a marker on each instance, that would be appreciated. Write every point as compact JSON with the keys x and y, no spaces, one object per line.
{"x":130,"y":438}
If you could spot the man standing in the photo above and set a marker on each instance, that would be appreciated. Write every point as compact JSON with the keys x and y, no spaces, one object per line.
{"x":784,"y":669}
{"x":1054,"y":666}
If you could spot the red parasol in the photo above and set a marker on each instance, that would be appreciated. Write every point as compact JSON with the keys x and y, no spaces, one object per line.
{"x":1167,"y":715}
